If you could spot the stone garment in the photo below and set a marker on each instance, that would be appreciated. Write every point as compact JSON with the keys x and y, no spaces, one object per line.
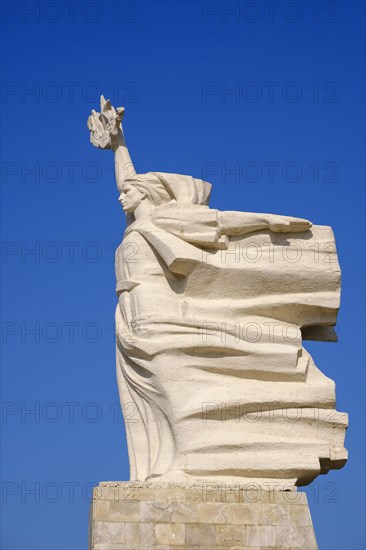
{"x":213,"y":378}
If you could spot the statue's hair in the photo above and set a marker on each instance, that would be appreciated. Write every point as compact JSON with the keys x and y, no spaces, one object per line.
{"x":152,"y":186}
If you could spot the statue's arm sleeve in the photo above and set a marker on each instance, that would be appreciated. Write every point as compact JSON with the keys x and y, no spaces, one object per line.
{"x":234,"y":223}
{"x":194,"y":224}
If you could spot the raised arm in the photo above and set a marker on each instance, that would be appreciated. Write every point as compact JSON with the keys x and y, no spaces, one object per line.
{"x":123,"y":165}
{"x":106,"y":133}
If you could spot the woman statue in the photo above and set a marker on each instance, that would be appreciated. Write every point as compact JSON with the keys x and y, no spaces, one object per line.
{"x":212,"y":309}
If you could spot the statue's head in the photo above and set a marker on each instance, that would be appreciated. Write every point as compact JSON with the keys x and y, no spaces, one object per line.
{"x":154,"y":189}
{"x":143,"y":187}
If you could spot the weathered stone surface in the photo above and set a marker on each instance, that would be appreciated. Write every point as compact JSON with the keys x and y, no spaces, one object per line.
{"x":263,"y":536}
{"x":185,"y":519}
{"x":200,"y":533}
{"x":170,"y":533}
{"x":228,"y":536}
{"x":124,"y":511}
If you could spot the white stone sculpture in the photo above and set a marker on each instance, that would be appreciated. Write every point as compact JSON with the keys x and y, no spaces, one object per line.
{"x":212,"y":309}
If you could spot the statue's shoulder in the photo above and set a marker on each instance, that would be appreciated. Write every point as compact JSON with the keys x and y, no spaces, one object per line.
{"x":181,"y":212}
{"x":174,"y":205}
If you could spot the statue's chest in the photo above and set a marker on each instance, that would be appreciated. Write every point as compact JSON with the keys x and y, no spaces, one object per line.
{"x":135,"y":258}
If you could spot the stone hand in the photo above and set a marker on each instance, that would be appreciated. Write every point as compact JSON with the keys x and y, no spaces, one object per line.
{"x":105,"y":126}
{"x":284,"y":224}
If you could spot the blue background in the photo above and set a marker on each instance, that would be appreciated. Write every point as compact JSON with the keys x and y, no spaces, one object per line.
{"x":171,"y":64}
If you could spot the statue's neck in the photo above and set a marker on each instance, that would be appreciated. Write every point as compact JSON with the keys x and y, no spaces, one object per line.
{"x":143,"y":210}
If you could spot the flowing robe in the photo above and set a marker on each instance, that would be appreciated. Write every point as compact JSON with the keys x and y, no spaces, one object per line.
{"x":213,"y":379}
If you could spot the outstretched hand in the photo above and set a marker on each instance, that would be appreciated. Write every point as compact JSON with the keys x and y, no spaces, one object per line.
{"x":286,"y":224}
{"x":105,"y":126}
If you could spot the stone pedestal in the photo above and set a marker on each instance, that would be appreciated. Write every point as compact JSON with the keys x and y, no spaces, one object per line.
{"x":207,"y":516}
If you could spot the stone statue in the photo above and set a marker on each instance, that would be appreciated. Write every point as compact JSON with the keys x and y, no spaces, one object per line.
{"x":212,"y":310}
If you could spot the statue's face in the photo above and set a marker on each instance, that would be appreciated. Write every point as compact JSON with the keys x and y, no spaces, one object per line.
{"x":130,"y":198}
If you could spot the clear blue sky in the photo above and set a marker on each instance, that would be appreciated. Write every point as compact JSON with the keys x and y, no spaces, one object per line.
{"x":276,"y":92}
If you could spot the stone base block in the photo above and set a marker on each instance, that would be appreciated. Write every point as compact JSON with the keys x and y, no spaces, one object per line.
{"x":208,"y":516}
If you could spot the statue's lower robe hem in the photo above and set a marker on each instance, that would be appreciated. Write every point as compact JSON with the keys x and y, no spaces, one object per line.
{"x":205,"y":516}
